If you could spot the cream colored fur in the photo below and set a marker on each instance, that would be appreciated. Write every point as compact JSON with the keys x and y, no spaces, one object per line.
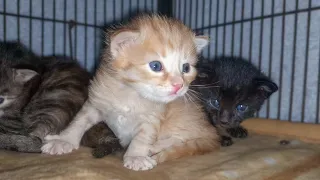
{"x":137,"y":103}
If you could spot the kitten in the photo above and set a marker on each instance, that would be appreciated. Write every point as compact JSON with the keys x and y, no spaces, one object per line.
{"x":139,"y":89}
{"x":232,"y":90}
{"x":40,"y":96}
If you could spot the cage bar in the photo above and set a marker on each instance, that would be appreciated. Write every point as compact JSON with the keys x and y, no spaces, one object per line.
{"x":195,"y":15}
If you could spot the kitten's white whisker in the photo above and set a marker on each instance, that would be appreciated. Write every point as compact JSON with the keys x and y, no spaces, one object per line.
{"x":197,"y":96}
{"x":196,"y":85}
{"x":193,"y":101}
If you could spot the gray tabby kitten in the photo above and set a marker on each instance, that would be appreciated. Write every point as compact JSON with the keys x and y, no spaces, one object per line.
{"x":40,"y":96}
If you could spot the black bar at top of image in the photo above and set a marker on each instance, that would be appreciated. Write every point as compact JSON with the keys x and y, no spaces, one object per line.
{"x":261,"y":40}
{"x":53,"y":29}
{"x":122,"y":10}
{"x":145,"y":5}
{"x":130,"y":7}
{"x":241,"y":27}
{"x":270,"y":53}
{"x":210,"y":10}
{"x":42,"y":28}
{"x":202,"y":20}
{"x":305,"y":76}
{"x":251,"y":31}
{"x":179,"y":9}
{"x":18,"y":20}
{"x":318,"y":92}
{"x":30,"y":24}
{"x":95,"y":35}
{"x":64,"y":29}
{"x":191,"y":13}
{"x":281,"y":59}
{"x":185,"y":12}
{"x":5,"y":20}
{"x":105,"y":12}
{"x":114,"y":11}
{"x":165,"y":7}
{"x":217,"y":32}
{"x":233,"y":25}
{"x":224,"y":28}
{"x":293,"y":60}
{"x":85,"y":33}
{"x":76,"y":29}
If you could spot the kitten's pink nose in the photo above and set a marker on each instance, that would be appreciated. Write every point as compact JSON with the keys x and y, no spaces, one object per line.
{"x":177,"y":83}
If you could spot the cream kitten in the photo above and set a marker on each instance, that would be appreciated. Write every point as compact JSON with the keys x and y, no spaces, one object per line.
{"x":139,"y":90}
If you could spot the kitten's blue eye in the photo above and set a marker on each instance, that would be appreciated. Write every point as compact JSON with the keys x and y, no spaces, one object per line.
{"x":242,"y":108}
{"x":1,"y":100}
{"x":156,"y":66}
{"x":186,"y":67}
{"x":214,"y":103}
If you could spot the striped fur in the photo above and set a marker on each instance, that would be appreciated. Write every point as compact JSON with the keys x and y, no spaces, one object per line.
{"x":46,"y":103}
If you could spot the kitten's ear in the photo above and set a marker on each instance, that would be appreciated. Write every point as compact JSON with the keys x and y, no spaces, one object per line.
{"x":201,"y":42}
{"x":122,"y":39}
{"x":23,"y":75}
{"x":265,"y":87}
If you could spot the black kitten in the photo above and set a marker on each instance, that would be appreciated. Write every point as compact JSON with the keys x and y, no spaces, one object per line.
{"x":232,"y":90}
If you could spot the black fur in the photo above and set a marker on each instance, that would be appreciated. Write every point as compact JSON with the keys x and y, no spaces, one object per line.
{"x":232,"y":90}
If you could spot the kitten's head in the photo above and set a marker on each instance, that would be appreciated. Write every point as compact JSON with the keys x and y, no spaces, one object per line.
{"x":156,"y":56}
{"x":240,"y":91}
{"x":13,"y":81}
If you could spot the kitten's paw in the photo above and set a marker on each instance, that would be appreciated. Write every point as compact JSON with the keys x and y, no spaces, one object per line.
{"x":55,"y":145}
{"x":238,"y":132}
{"x":139,"y":163}
{"x":226,"y":141}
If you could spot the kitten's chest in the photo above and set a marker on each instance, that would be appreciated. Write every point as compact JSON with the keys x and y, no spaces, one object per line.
{"x":126,"y":121}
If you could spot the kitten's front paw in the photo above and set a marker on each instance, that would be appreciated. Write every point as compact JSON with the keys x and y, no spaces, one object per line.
{"x":238,"y":132}
{"x":55,"y":145}
{"x":226,"y":141}
{"x":139,"y":163}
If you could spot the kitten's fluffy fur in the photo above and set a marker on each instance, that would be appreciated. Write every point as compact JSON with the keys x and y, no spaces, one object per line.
{"x":40,"y":96}
{"x":143,"y":107}
{"x":232,"y":90}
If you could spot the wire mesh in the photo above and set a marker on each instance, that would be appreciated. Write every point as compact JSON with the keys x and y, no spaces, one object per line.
{"x":281,"y":37}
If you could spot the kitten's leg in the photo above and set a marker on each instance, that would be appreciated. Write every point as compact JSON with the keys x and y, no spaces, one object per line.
{"x":137,"y":155}
{"x":180,"y":149}
{"x":21,"y":143}
{"x":101,"y":138}
{"x":238,"y":132}
{"x":225,"y":139}
{"x":70,"y":138}
{"x":107,"y":148}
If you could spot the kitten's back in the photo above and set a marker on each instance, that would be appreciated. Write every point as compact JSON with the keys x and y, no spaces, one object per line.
{"x":61,"y":94}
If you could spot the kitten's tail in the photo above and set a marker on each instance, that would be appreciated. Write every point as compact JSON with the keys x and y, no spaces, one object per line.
{"x":20,"y":143}
{"x":189,"y":148}
{"x":105,"y":149}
